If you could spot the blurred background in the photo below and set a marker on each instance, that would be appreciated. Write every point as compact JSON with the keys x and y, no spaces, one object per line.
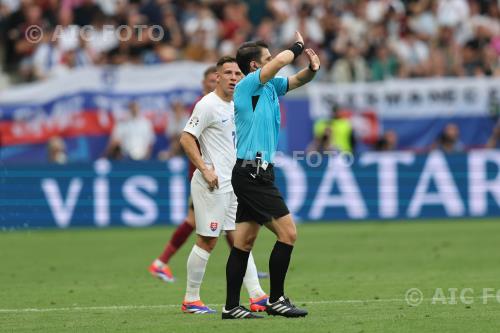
{"x":89,"y":87}
{"x":358,"y":41}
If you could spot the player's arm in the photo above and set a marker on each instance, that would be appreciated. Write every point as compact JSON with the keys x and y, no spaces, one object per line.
{"x":114,"y":141}
{"x":201,"y":118}
{"x":307,"y":74}
{"x":112,"y":146}
{"x":149,"y":152}
{"x":284,"y":58}
{"x":188,"y":143}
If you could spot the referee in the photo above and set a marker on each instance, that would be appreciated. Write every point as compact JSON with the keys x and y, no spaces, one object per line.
{"x":257,"y":118}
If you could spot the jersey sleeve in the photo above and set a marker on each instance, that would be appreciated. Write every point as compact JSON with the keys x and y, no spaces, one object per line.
{"x":199,"y":120}
{"x":280,"y":84}
{"x":250,"y":83}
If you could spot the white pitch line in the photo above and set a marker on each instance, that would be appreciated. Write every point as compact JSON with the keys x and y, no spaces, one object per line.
{"x":91,"y":308}
{"x":166,"y":306}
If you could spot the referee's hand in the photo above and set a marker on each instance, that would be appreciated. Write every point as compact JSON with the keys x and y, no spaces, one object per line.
{"x":313,"y":60}
{"x":211,"y":178}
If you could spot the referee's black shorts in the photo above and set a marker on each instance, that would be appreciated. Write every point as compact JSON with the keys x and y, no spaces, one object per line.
{"x":258,"y":198}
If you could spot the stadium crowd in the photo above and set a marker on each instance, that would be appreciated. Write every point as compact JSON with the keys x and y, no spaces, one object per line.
{"x":358,"y":40}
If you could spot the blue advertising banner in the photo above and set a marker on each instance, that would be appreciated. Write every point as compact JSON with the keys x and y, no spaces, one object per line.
{"x":393,"y":185}
{"x":101,"y":194}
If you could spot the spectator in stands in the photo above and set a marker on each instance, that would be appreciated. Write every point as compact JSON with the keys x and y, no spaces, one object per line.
{"x":495,"y":44}
{"x":172,"y":30}
{"x":330,"y":24}
{"x":449,"y":140}
{"x":322,"y":142}
{"x":376,"y":37}
{"x":338,"y":128}
{"x":100,"y":39}
{"x":422,"y":18}
{"x":234,"y":20}
{"x":451,"y":13}
{"x":175,"y":126}
{"x":445,"y":57}
{"x":353,"y":20}
{"x":73,"y":59}
{"x":491,"y":61}
{"x":85,"y":12}
{"x":56,"y":150}
{"x":202,"y":35}
{"x":131,"y":42}
{"x":23,"y":48}
{"x":266,"y":32}
{"x":67,"y":32}
{"x":168,"y":48}
{"x":377,"y":10}
{"x":385,"y":65}
{"x":111,"y":7}
{"x":7,"y":7}
{"x":387,"y":142}
{"x":13,"y":27}
{"x":472,"y":64}
{"x":48,"y":57}
{"x":350,"y":68}
{"x":307,"y":23}
{"x":84,"y":55}
{"x":51,"y":59}
{"x":413,"y":55}
{"x":230,"y":46}
{"x":134,"y":136}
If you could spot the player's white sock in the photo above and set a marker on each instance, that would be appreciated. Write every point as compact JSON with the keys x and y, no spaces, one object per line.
{"x":251,"y":279}
{"x":196,"y":264}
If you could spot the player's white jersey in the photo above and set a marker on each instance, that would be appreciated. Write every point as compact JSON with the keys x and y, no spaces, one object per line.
{"x":212,"y":123}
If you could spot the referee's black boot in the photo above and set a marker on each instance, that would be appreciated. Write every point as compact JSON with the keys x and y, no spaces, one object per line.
{"x":283,"y":307}
{"x":239,"y":312}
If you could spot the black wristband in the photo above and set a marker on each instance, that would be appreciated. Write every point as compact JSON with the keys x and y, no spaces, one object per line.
{"x":297,"y":49}
{"x":312,"y":70}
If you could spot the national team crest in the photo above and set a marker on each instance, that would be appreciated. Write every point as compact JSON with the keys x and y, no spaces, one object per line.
{"x":214,"y":226}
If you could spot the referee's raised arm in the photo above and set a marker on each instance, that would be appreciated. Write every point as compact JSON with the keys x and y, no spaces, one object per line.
{"x":284,"y":58}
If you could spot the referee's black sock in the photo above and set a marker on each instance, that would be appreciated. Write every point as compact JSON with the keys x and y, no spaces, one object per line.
{"x":278,"y":266}
{"x":235,"y":271}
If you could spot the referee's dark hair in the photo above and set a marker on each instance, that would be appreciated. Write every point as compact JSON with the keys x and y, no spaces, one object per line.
{"x":224,"y":60}
{"x":248,"y":52}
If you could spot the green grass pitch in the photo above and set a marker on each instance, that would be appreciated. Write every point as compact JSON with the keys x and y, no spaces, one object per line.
{"x":352,"y":277}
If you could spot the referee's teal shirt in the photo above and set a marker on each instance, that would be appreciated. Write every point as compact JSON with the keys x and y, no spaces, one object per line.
{"x":257,"y":115}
